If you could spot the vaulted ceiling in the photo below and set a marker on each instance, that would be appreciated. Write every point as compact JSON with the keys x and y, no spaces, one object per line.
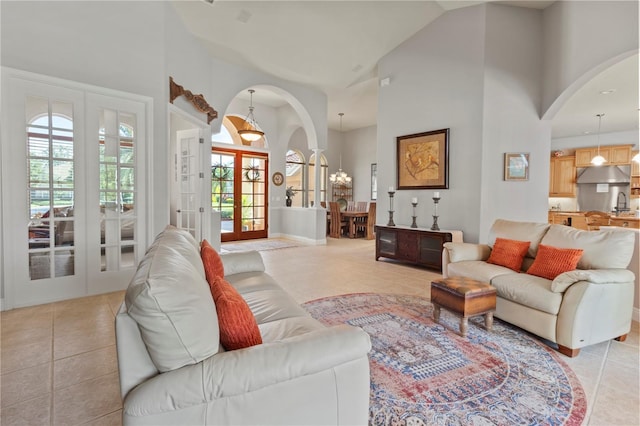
{"x":334,"y":46}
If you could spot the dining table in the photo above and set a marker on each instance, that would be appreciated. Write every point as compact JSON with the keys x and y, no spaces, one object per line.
{"x":352,"y":216}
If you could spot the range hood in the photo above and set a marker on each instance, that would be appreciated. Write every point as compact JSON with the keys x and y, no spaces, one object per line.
{"x":604,"y":174}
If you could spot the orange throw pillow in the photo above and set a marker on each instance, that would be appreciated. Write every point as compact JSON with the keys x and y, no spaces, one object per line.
{"x":509,"y":253}
{"x":552,"y":261}
{"x":212,"y":261}
{"x":238,"y":326}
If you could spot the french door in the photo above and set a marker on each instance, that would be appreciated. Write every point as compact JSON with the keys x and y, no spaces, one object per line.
{"x":239,"y":192}
{"x":72,"y":189}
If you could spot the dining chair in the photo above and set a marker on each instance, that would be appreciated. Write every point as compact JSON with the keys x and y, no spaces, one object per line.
{"x":351,"y":206}
{"x":361,"y":206}
{"x":595,"y":219}
{"x":369,"y":222}
{"x":337,"y":224}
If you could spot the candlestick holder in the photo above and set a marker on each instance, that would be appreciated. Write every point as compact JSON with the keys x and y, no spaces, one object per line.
{"x":414,"y":224}
{"x":435,"y":226}
{"x":391,"y":194}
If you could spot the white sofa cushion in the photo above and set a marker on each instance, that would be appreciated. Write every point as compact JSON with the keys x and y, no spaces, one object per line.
{"x":477,"y":269}
{"x":528,"y":290}
{"x":170,"y":301}
{"x":520,"y":231}
{"x":609,"y":249}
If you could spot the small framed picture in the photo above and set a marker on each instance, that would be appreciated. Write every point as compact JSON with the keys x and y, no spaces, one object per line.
{"x":516,"y":166}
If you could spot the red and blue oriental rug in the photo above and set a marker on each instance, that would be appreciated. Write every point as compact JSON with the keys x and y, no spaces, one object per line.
{"x":424,"y":373}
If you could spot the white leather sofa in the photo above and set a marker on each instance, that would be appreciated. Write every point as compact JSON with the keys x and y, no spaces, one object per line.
{"x":173,"y":370}
{"x":578,"y":308}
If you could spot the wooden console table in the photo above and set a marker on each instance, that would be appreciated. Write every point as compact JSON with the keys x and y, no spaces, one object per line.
{"x":419,"y":246}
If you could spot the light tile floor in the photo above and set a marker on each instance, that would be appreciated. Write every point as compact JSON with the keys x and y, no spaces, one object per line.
{"x":58,"y":361}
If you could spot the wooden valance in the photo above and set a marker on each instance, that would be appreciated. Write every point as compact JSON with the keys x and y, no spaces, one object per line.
{"x":198,"y":101}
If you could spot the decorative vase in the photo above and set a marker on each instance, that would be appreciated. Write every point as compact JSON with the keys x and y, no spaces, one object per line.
{"x":289,"y":202}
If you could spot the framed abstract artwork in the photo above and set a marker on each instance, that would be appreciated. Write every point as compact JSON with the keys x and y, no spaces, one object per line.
{"x":423,"y":160}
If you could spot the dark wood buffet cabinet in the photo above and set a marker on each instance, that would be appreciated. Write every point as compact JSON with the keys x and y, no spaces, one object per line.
{"x":413,"y":245}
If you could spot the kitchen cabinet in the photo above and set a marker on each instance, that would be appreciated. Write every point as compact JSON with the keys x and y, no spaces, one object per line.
{"x":625,"y":222}
{"x":562,"y":180}
{"x":615,"y":155}
{"x":413,"y":245}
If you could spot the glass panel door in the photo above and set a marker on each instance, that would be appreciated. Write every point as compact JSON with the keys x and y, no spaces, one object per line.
{"x":240,"y":193}
{"x":115,"y":190}
{"x":42,"y":192}
{"x":51,"y":187}
{"x":223,"y":190}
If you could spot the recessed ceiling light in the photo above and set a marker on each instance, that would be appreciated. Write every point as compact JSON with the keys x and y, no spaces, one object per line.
{"x":586,"y":132}
{"x":607,"y":92}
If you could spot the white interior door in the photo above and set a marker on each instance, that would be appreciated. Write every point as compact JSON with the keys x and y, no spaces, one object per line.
{"x":189,"y":175}
{"x":43,"y":192}
{"x":116,"y":192}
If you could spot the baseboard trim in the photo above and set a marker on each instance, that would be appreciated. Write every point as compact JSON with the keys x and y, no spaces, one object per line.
{"x":308,"y":241}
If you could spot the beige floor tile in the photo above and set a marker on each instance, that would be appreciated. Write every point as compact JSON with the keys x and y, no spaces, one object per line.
{"x":22,"y":319}
{"x":615,"y":406}
{"x":25,"y":384}
{"x":74,"y":342}
{"x":113,"y":419}
{"x":624,"y":354}
{"x":18,"y":357}
{"x":32,"y":412}
{"x":86,"y":401}
{"x":114,"y":300}
{"x":86,"y":366}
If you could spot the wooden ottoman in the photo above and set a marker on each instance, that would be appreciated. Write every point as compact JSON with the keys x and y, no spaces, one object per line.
{"x":465,"y":297}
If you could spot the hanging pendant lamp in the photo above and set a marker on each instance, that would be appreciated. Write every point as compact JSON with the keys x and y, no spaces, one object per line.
{"x":250,"y":132}
{"x":340,"y":177}
{"x":599,"y":160}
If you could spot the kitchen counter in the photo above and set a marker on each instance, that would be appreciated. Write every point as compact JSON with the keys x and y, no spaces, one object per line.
{"x":577,"y":220}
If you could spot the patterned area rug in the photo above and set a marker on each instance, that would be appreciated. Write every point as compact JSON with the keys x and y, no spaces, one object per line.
{"x":260,"y":245}
{"x":423,"y":373}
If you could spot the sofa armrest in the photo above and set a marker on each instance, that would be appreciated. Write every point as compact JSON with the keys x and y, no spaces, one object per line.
{"x":247,"y":370}
{"x":242,"y":261}
{"x":467,"y":251}
{"x":594,"y":276}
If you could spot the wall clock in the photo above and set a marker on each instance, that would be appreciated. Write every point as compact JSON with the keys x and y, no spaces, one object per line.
{"x":278,"y":179}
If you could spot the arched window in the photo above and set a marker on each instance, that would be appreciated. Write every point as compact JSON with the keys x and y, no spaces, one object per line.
{"x":324,"y":172}
{"x":295,"y":176}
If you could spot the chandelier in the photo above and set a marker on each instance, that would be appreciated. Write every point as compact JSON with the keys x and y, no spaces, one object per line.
{"x":340,"y":177}
{"x":250,"y":132}
{"x":598,"y":160}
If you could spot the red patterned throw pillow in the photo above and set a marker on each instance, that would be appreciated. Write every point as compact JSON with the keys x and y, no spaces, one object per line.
{"x":238,"y":326}
{"x":213,"y":266}
{"x":552,"y":261}
{"x":509,"y":253}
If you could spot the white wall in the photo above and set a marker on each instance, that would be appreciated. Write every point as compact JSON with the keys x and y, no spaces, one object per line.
{"x":582,"y":38}
{"x":512,"y":98}
{"x":436,"y":82}
{"x":476,"y":71}
{"x":358,"y":153}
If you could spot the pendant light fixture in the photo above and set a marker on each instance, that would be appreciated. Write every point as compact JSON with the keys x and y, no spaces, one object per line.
{"x":599,"y":160}
{"x":340,"y":177}
{"x":250,"y":132}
